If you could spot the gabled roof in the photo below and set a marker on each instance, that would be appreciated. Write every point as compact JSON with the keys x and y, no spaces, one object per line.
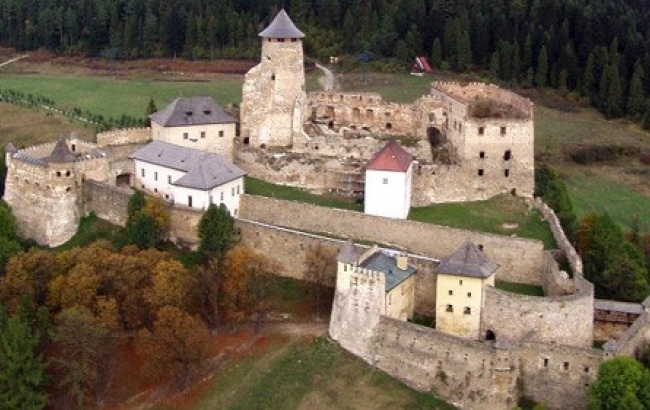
{"x":282,"y":27}
{"x":61,"y":153}
{"x":381,"y":262}
{"x":191,"y":111}
{"x":348,"y":253}
{"x":204,"y":170}
{"x":390,"y":158}
{"x":468,"y":260}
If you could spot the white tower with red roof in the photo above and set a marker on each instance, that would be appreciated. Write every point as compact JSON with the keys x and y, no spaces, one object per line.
{"x":388,"y":182}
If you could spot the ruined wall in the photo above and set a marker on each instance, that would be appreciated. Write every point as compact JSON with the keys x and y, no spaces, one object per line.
{"x":566,"y":320}
{"x":635,"y":339}
{"x":472,"y":375}
{"x":106,"y":201}
{"x":555,"y":282}
{"x":558,"y":376}
{"x":124,"y":136}
{"x":521,"y":260}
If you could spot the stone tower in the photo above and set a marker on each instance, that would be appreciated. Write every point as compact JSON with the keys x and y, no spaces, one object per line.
{"x":273,"y":95}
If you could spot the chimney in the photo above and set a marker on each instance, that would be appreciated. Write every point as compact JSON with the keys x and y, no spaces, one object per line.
{"x":402,"y":261}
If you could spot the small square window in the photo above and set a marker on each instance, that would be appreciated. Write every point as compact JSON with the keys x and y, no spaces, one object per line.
{"x":565,"y":366}
{"x":450,"y":308}
{"x":469,"y":294}
{"x":202,"y":134}
{"x":507,"y":155}
{"x":545,"y":362}
{"x":460,"y":282}
{"x":220,"y":133}
{"x":481,"y":154}
{"x":185,"y":135}
{"x":384,"y":181}
{"x":503,"y":130}
{"x":480,"y":172}
{"x":467,"y":310}
{"x":481,"y":130}
{"x":451,"y":292}
{"x":506,"y":173}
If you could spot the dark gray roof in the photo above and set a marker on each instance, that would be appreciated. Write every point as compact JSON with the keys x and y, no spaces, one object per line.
{"x":616,"y":306}
{"x":191,"y":111}
{"x":204,"y":170}
{"x":282,"y":27}
{"x":349,"y":253}
{"x":388,"y":265}
{"x":468,"y":260}
{"x":61,"y":153}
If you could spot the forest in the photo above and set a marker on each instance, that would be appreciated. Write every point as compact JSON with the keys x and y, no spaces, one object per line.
{"x":600,"y":49}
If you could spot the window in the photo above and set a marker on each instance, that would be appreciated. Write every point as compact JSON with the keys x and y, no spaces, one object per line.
{"x":545,"y":362}
{"x":233,"y":191}
{"x":503,"y":130}
{"x":481,"y":130}
{"x":384,"y":181}
{"x":507,"y":155}
{"x":451,"y":292}
{"x":390,"y":298}
{"x":189,"y":201}
{"x":222,"y":196}
{"x":481,"y":154}
{"x":185,"y":135}
{"x":469,"y":294}
{"x":480,"y":172}
{"x":460,"y":282}
{"x":155,"y":176}
{"x":449,"y":308}
{"x":202,"y":134}
{"x":272,"y":77}
{"x":221,"y":133}
{"x":506,"y":173}
{"x":142,"y":173}
{"x":237,"y":189}
{"x":467,"y":310}
{"x":67,"y":173}
{"x":169,"y":179}
{"x":354,"y":281}
{"x":58,"y":173}
{"x":565,"y":366}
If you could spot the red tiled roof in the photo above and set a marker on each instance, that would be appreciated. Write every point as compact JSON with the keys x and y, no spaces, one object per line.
{"x":390,"y":158}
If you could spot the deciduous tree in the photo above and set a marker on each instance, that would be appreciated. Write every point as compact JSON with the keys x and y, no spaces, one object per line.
{"x":216,"y":232}
{"x":622,"y":383}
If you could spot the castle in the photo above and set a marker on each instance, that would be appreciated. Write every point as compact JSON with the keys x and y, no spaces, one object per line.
{"x":461,"y":142}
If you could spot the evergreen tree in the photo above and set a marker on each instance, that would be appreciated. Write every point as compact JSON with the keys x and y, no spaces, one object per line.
{"x":142,"y":231}
{"x":151,"y":108}
{"x":22,"y":371}
{"x":635,"y":99}
{"x":588,"y":84}
{"x":463,"y":53}
{"x":436,"y":53}
{"x":216,"y":232}
{"x":542,"y":68}
{"x":495,"y":65}
{"x":614,"y":93}
{"x":136,"y":203}
{"x":646,"y":117}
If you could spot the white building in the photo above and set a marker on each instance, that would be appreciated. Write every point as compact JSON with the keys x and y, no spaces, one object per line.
{"x":195,"y":122}
{"x":188,"y":177}
{"x":388,"y":182}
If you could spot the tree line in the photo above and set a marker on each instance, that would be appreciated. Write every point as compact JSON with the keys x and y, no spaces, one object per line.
{"x":601,"y":49}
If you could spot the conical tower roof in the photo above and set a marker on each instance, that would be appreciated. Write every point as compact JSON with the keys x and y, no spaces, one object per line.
{"x":282,"y":27}
{"x":349,"y":253}
{"x":61,"y":153}
{"x":468,"y":260}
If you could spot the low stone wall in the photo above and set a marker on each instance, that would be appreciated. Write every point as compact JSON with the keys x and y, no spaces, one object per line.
{"x":635,"y":339}
{"x":184,"y":224}
{"x":558,"y":376}
{"x":520,"y":260}
{"x":566,"y":320}
{"x":108,"y":202}
{"x":560,"y":237}
{"x":124,"y":136}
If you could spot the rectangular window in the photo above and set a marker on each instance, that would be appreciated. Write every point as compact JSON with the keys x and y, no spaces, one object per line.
{"x":565,"y":366}
{"x":155,"y":176}
{"x":237,"y":189}
{"x":354,"y":281}
{"x":185,"y":135}
{"x":169,"y":179}
{"x":220,"y":133}
{"x":506,"y":173}
{"x":507,"y":155}
{"x":390,"y":298}
{"x":481,"y":154}
{"x":202,"y":134}
{"x":469,"y":294}
{"x":545,"y":362}
{"x":232,"y":191}
{"x":480,"y":172}
{"x":450,"y":308}
{"x":503,"y":130}
{"x":467,"y":310}
{"x":142,"y":172}
{"x":451,"y":292}
{"x":460,"y":282}
{"x":481,"y":130}
{"x":222,"y":196}
{"x":384,"y":181}
{"x":189,"y":201}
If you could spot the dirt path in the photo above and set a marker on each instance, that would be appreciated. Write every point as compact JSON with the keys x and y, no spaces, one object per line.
{"x":13,"y":60}
{"x":327,"y":81}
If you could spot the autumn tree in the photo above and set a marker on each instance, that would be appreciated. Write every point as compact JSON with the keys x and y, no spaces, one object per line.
{"x":27,"y":275}
{"x":178,"y":343}
{"x":22,"y":370}
{"x":170,"y":286}
{"x":81,"y":343}
{"x":217,"y":232}
{"x":320,"y":272}
{"x":246,"y":285}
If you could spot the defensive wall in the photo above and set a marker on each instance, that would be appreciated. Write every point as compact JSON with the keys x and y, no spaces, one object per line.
{"x":106,"y":201}
{"x":124,"y":136}
{"x":521,"y":260}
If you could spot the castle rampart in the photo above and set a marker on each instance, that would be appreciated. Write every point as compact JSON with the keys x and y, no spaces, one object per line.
{"x":124,"y":136}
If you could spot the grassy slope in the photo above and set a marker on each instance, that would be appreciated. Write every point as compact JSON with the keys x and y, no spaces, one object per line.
{"x":521,"y":288}
{"x":113,"y":98}
{"x":489,"y":216}
{"x":310,"y":375}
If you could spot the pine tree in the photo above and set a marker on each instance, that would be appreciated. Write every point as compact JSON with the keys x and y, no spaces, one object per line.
{"x":436,"y":53}
{"x":646,"y":117}
{"x":635,"y":99}
{"x":542,"y":68}
{"x":588,"y":84}
{"x":495,"y":65}
{"x":614,"y":93}
{"x":22,"y":371}
{"x":463,"y":53}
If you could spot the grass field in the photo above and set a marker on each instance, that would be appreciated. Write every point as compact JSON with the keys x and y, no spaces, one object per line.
{"x":117,"y":97}
{"x":520,"y":288}
{"x":311,"y":375}
{"x":489,"y":216}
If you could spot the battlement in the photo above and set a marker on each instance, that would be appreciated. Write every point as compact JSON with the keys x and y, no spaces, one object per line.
{"x":124,"y":136}
{"x":368,"y":274}
{"x":485,"y":100}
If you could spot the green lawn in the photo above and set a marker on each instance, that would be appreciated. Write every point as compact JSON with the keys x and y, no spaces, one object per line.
{"x":114,"y":97}
{"x":91,"y":229}
{"x":590,"y":194}
{"x":256,"y":186}
{"x":310,"y":374}
{"x":489,"y":216}
{"x":521,"y":288}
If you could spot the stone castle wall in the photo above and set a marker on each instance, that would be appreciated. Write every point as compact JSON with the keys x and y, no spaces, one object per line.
{"x":124,"y":136}
{"x":521,"y":260}
{"x":106,"y":201}
{"x":565,"y":320}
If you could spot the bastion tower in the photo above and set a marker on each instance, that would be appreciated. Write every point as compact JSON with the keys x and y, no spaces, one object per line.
{"x":273,"y":95}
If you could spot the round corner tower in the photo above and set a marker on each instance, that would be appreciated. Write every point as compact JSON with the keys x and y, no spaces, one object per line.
{"x":273,"y":95}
